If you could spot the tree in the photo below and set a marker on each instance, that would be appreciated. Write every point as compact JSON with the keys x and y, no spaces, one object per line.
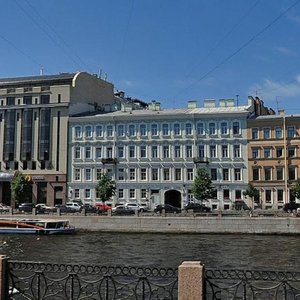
{"x":251,"y":191}
{"x":296,"y":190}
{"x":21,"y":188}
{"x":202,"y":186}
{"x":105,"y":188}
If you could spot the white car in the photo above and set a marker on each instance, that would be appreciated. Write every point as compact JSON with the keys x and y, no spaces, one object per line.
{"x":135,"y":206}
{"x":74,"y":206}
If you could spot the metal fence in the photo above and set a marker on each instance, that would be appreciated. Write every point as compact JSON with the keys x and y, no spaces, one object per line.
{"x":34,"y":280}
{"x":249,"y":284}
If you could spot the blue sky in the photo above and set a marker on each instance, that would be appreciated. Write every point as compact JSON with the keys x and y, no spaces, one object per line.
{"x":170,"y":51}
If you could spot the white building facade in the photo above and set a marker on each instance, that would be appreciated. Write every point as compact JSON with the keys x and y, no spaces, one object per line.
{"x":153,"y":154}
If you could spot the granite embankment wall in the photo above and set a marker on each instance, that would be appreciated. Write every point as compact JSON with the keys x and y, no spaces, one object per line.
{"x":183,"y":224}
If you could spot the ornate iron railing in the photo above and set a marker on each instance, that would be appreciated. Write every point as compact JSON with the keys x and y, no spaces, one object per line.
{"x":36,"y":281}
{"x":249,"y":284}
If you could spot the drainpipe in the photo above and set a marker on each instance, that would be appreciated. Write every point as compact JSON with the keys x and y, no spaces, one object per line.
{"x":285,"y":160}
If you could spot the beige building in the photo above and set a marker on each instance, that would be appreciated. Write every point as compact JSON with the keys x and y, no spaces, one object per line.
{"x":34,"y":113}
{"x":274,"y":158}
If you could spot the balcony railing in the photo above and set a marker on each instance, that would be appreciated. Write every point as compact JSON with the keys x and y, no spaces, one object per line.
{"x":109,"y":160}
{"x":201,"y":160}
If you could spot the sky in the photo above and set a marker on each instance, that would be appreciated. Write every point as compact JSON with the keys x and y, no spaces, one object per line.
{"x":170,"y":51}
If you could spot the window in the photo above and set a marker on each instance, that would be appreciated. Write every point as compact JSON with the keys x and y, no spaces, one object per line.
{"x":188,"y":129}
{"x":255,"y":173}
{"x":201,"y":152}
{"x":143,"y":174}
{"x":177,"y":151}
{"x":291,"y":131}
{"x":143,"y":193}
{"x":224,"y":151}
{"x":278,"y":132}
{"x":238,"y":194}
{"x":200,"y":129}
{"x":109,"y":131}
{"x":120,"y":193}
{"x":212,"y":128}
{"x":212,"y":151}
{"x":225,"y":174}
{"x":254,"y":133}
{"x":255,"y":153}
{"x":131,"y":130}
{"x":76,"y":174}
{"x":154,"y":174}
{"x":279,"y":195}
{"x":292,"y":173}
{"x":10,"y":101}
{"x":213,"y":174}
{"x":267,"y":133}
{"x":189,"y":151}
{"x":88,"y":152}
{"x":224,"y":128}
{"x":267,"y":152}
{"x":87,"y":193}
{"x":99,"y":131}
{"x":76,"y":193}
{"x":121,"y":130}
{"x":236,"y":151}
{"x":190,"y":174}
{"x":166,"y":151}
{"x":88,"y":174}
{"x":143,"y":131}
{"x":154,"y":131}
{"x":236,"y":128}
{"x":279,"y":173}
{"x":98,"y":173}
{"x":154,"y":152}
{"x":178,"y":174}
{"x":27,"y":100}
{"x":268,"y":173}
{"x":176,"y":129}
{"x":226,"y":194}
{"x":268,"y":196}
{"x":291,"y":151}
{"x":166,"y":174}
{"x":121,"y":174}
{"x":98,"y":152}
{"x":132,"y":193}
{"x":237,"y":174}
{"x":88,"y":131}
{"x":77,"y":132}
{"x":109,"y":152}
{"x":77,"y":153}
{"x":143,"y":152}
{"x":132,"y":151}
{"x":279,"y":152}
{"x":121,"y":151}
{"x":45,"y":99}
{"x":132,"y":174}
{"x":165,"y":129}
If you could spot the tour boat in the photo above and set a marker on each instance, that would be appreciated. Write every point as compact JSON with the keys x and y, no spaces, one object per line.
{"x":28,"y":226}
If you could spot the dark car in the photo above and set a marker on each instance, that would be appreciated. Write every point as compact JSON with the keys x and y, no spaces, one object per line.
{"x":240,"y":205}
{"x":289,"y":207}
{"x":123,"y":210}
{"x":167,"y":207}
{"x":64,"y":209}
{"x":90,"y":208}
{"x":197,"y":207}
{"x":26,"y":207}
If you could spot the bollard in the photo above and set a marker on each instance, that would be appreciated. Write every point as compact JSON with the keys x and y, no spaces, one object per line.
{"x":34,"y":211}
{"x":83,"y":211}
{"x":191,"y":281}
{"x":58,"y":211}
{"x":163,"y":212}
{"x":109,"y":213}
{"x":3,"y":278}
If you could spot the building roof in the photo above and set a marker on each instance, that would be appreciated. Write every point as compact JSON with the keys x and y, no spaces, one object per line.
{"x":61,"y":78}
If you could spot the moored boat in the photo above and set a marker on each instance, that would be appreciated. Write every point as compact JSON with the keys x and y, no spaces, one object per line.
{"x":28,"y":226}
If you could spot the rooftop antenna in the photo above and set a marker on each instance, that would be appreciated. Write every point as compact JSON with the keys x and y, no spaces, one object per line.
{"x":105,"y":77}
{"x":237,"y":100}
{"x":277,"y":103}
{"x":100,"y":73}
{"x":41,"y":71}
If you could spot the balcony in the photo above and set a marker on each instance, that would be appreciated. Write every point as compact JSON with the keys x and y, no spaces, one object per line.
{"x":109,"y":160}
{"x":201,"y":160}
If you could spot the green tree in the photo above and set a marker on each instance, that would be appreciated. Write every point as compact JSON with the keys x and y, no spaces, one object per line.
{"x":296,"y":190}
{"x":202,"y":186}
{"x":105,"y":188}
{"x":21,"y":188}
{"x":251,"y":192}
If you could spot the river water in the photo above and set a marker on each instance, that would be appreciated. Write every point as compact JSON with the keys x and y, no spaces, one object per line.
{"x":265,"y":252}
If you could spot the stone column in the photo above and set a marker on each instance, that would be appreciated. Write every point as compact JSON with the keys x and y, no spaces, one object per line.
{"x":3,"y":277}
{"x":191,"y":281}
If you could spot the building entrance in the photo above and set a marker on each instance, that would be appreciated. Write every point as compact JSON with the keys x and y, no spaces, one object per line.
{"x":173,"y":197}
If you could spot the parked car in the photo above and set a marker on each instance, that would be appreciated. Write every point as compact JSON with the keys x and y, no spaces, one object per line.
{"x":74,"y":205}
{"x":4,"y":208}
{"x":64,"y":208}
{"x":133,"y":206}
{"x":43,"y":208}
{"x":90,"y":208}
{"x":289,"y":207}
{"x":26,"y":207}
{"x":123,"y":210}
{"x":240,"y":205}
{"x":197,"y":207}
{"x":102,"y":207}
{"x":167,"y":207}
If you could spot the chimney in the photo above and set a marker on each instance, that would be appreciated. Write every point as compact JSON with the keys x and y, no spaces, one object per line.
{"x":192,"y":104}
{"x":281,"y":112}
{"x":209,"y":103}
{"x":226,"y":102}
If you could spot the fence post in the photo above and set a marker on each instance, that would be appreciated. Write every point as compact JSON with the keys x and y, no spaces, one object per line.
{"x":3,"y":278}
{"x":191,"y":281}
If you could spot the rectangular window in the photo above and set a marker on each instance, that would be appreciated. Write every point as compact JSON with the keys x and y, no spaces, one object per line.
{"x":154,"y":151}
{"x":190,"y":174}
{"x":238,"y":194}
{"x":267,"y":133}
{"x":278,"y":132}
{"x":279,"y":173}
{"x":224,"y":151}
{"x":121,"y":174}
{"x":189,"y":151}
{"x":201,"y":152}
{"x":120,"y":193}
{"x":268,"y":196}
{"x":166,"y":151}
{"x":132,"y":193}
{"x":143,"y":174}
{"x":236,"y":128}
{"x":225,"y":174}
{"x":188,"y":129}
{"x":279,"y":152}
{"x":88,"y":132}
{"x":200,"y":129}
{"x":279,"y":195}
{"x":27,"y":100}
{"x":87,"y":193}
{"x":143,"y":152}
{"x":132,"y":151}
{"x":291,"y":152}
{"x":166,"y":174}
{"x":131,"y":130}
{"x":88,"y":174}
{"x":213,"y":174}
{"x":254,"y":133}
{"x":165,"y":129}
{"x":255,"y":173}
{"x":99,"y":131}
{"x":143,"y":131}
{"x":212,"y":151}
{"x":176,"y":129}
{"x":77,"y":132}
{"x":154,"y":130}
{"x":121,"y":130}
{"x":154,"y":174}
{"x":267,"y":152}
{"x":88,"y":152}
{"x":224,"y":128}
{"x":177,"y":151}
{"x":131,"y":174}
{"x":291,"y":132}
{"x":268,"y":173}
{"x":98,"y":173}
{"x":237,"y":174}
{"x":98,"y":152}
{"x":255,"y":153}
{"x":177,"y":174}
{"x":77,"y":174}
{"x":143,"y":193}
{"x":109,"y":131}
{"x":212,"y":128}
{"x":226,"y":194}
{"x":292,"y":173}
{"x":109,"y":152}
{"x":77,"y":152}
{"x":236,"y":151}
{"x":76,"y":193}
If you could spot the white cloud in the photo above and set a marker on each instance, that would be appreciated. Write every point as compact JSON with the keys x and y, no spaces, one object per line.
{"x":286,"y":51}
